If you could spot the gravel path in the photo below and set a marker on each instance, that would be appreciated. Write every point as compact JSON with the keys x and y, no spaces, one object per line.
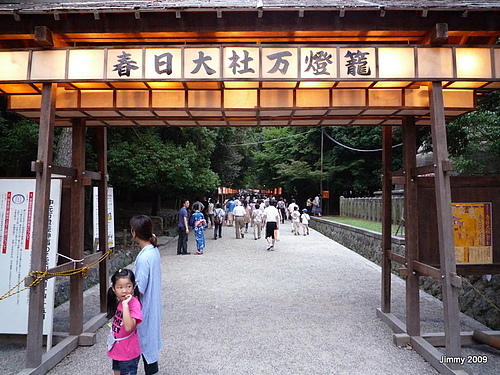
{"x":309,"y":307}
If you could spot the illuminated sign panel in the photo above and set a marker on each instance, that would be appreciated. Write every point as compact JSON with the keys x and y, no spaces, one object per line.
{"x":284,"y":63}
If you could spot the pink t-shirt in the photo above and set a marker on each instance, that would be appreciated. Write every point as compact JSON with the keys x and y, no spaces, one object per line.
{"x":130,"y":348}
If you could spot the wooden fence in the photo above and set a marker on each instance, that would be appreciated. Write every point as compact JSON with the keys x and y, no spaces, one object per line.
{"x":371,"y":208}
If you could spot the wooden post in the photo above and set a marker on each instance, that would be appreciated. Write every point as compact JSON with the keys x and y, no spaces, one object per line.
{"x":386,"y":217}
{"x":77,"y":225}
{"x":444,"y":221}
{"x":34,"y":346}
{"x":102,"y":160}
{"x":411,"y":230}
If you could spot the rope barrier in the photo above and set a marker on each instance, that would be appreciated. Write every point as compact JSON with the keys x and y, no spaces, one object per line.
{"x":40,"y":276}
{"x":481,"y":294}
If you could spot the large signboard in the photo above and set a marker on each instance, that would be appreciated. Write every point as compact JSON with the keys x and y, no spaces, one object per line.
{"x":17,"y":202}
{"x":110,"y":215}
{"x":284,"y":62}
{"x":472,"y":233}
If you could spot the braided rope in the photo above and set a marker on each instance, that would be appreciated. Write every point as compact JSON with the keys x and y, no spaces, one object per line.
{"x":39,"y":276}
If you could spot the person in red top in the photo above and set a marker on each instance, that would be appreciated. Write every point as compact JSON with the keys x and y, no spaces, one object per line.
{"x":124,"y":307}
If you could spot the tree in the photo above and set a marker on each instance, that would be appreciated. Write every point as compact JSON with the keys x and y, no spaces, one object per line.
{"x":355,"y":161}
{"x":474,"y":139}
{"x":140,"y":160}
{"x":288,"y":157}
{"x":226,"y":157}
{"x":18,"y":147}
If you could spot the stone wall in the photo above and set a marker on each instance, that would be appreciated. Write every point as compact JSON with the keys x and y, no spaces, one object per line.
{"x":365,"y":242}
{"x":479,"y":298}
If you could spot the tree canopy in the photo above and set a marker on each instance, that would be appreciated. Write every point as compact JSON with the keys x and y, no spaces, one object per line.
{"x":474,"y":138}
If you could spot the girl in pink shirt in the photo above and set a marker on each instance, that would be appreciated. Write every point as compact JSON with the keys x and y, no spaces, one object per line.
{"x":125,"y":309}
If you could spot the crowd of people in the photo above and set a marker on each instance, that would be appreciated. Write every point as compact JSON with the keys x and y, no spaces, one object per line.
{"x":260,"y":214}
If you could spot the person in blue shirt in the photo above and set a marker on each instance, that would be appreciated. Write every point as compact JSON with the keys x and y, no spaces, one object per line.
{"x":147,"y":271}
{"x":229,"y":209}
{"x":183,"y":228}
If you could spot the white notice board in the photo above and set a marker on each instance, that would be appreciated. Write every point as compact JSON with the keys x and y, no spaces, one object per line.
{"x":110,"y":215}
{"x":17,"y":203}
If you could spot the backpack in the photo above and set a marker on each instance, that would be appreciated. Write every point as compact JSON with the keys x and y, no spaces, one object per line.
{"x":217,"y":216}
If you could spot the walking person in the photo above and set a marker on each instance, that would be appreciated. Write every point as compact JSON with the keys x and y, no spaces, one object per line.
{"x":309,"y":204}
{"x":124,"y":307}
{"x":316,"y":208}
{"x":304,"y":219}
{"x":281,"y":206}
{"x":291,"y":208}
{"x":219,"y":215}
{"x":229,"y":209}
{"x":148,"y":277}
{"x":199,"y":225}
{"x":239,"y":220}
{"x":272,"y":220}
{"x":257,"y":221}
{"x":248,"y":215}
{"x":296,"y":221}
{"x":210,"y":212}
{"x":183,"y":228}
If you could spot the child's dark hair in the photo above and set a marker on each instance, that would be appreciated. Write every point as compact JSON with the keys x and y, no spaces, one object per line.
{"x":112,"y":300}
{"x":143,"y":228}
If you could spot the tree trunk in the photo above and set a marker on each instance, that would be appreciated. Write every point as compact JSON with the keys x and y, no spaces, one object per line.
{"x":63,"y":152}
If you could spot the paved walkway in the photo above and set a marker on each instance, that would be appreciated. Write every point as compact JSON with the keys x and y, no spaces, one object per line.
{"x":309,"y":307}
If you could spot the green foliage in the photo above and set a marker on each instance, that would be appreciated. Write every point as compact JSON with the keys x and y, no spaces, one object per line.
{"x":140,"y":158}
{"x":226,"y":157}
{"x":353,"y":172}
{"x":293,"y":172}
{"x":474,"y":139}
{"x":288,"y":157}
{"x":18,"y":147}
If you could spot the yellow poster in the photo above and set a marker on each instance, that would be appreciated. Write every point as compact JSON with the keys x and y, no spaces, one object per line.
{"x":472,"y":232}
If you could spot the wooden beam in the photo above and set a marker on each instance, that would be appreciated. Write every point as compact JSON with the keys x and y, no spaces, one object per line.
{"x":397,"y":258}
{"x":444,"y":222}
{"x":386,"y":218}
{"x":53,"y":357}
{"x":34,"y":346}
{"x":392,"y":321}
{"x":96,"y":176}
{"x":426,"y":270}
{"x":45,"y":38}
{"x":77,"y":212}
{"x":102,"y":188}
{"x":434,"y":356}
{"x":487,"y":337}
{"x":438,"y":35}
{"x":411,"y":223}
{"x":398,"y":180}
{"x":438,"y":338}
{"x":66,"y":346}
{"x":37,"y":166}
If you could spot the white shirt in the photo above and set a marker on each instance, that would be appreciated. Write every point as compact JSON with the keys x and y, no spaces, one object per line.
{"x":239,"y":211}
{"x":271,"y":214}
{"x":305,"y":218}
